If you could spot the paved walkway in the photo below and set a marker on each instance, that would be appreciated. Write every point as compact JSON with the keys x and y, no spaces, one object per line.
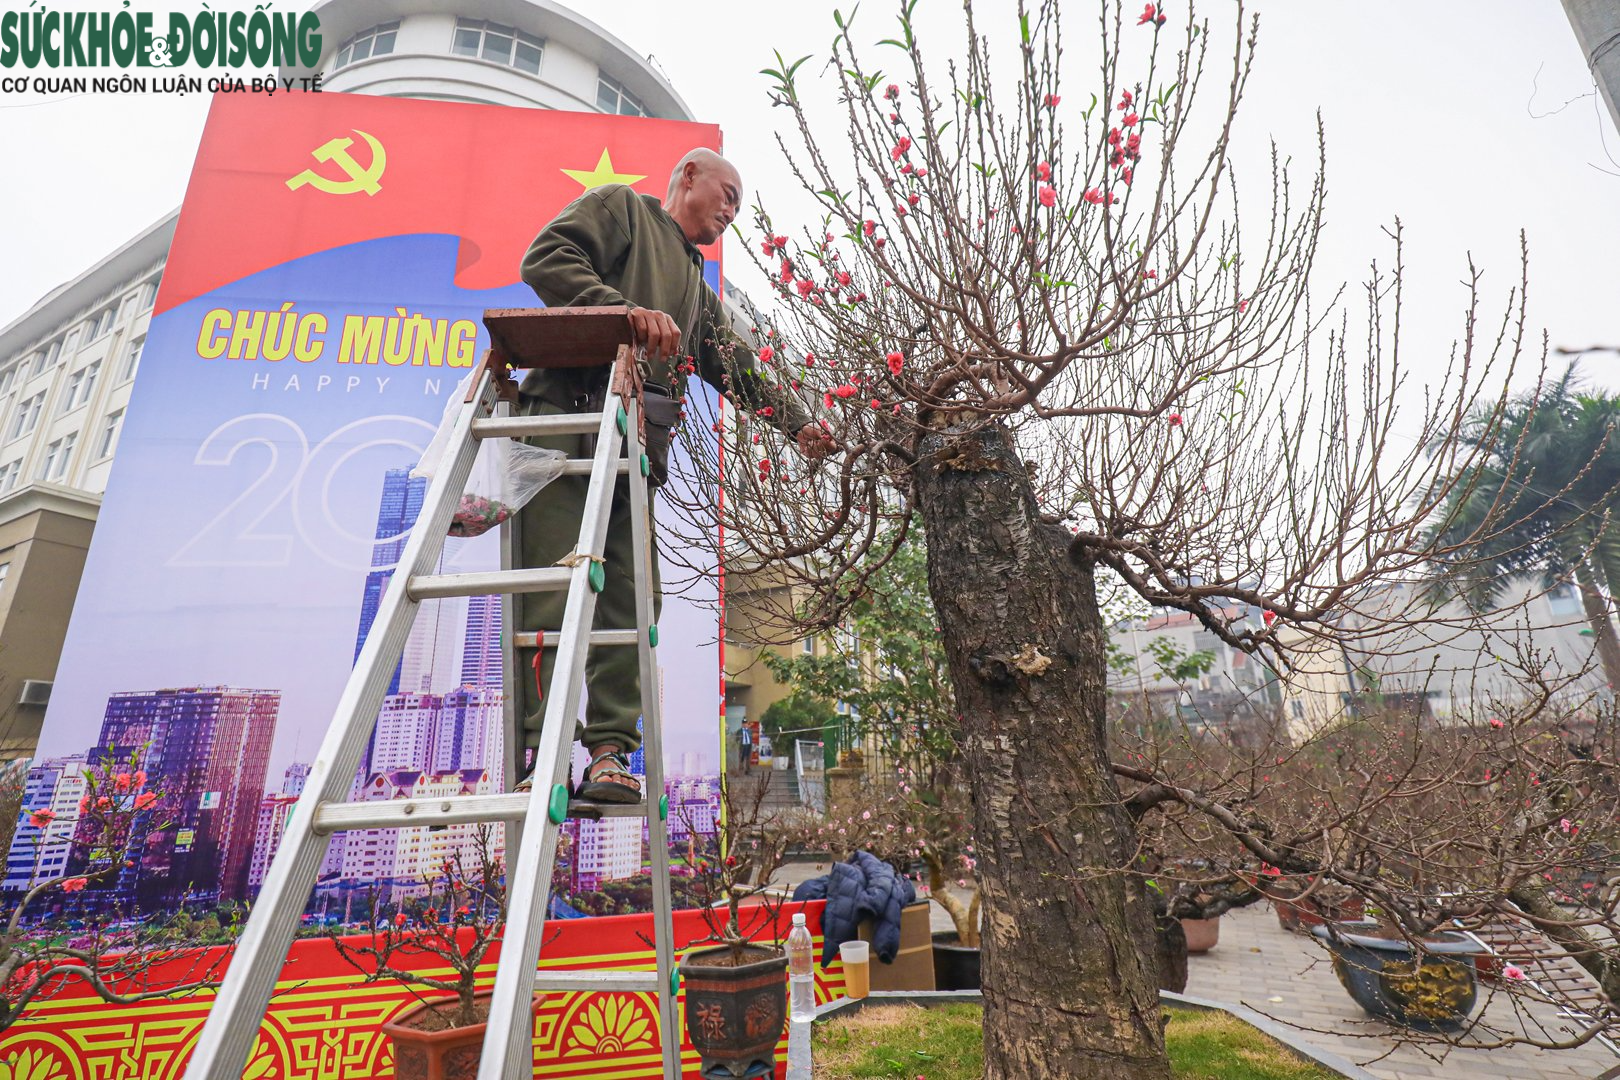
{"x":1288,"y":978}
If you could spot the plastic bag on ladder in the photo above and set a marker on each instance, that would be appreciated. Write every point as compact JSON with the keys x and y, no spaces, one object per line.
{"x":505,"y":475}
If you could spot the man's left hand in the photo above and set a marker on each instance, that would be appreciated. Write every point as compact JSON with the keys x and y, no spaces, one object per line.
{"x":815,"y":441}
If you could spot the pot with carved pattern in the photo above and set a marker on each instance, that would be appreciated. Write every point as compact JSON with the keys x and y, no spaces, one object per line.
{"x":736,"y":1009}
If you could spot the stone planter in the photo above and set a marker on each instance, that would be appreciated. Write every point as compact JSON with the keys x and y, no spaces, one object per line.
{"x":1202,"y":934}
{"x":956,"y":966}
{"x":1433,"y":993}
{"x":421,"y":1054}
{"x":735,"y":1013}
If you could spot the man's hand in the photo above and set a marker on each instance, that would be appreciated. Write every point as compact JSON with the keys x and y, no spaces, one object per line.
{"x":656,"y":332}
{"x":815,"y":441}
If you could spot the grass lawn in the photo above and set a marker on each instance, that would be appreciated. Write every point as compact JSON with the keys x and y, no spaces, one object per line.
{"x":943,"y":1043}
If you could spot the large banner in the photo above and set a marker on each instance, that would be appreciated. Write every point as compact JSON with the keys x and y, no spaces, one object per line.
{"x":321,"y":302}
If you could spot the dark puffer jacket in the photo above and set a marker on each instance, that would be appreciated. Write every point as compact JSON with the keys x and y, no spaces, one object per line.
{"x":863,"y":888}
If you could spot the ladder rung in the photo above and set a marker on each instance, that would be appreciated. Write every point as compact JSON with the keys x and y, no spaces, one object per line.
{"x":631,"y":982}
{"x":544,"y":579}
{"x":526,"y":640}
{"x":451,"y":810}
{"x":583,"y":466}
{"x":518,"y":427}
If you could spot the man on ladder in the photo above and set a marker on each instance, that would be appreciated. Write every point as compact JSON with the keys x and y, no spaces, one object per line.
{"x":612,"y":247}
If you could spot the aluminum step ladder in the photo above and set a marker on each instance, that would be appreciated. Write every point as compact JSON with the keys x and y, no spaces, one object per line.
{"x":522,"y":338}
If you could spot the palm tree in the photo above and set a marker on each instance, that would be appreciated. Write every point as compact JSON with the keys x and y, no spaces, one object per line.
{"x":1542,"y":500}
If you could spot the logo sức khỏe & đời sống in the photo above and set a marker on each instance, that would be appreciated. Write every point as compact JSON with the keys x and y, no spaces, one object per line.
{"x":41,"y":38}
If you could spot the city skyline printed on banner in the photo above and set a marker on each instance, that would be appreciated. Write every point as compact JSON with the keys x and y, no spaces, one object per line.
{"x":434,"y":737}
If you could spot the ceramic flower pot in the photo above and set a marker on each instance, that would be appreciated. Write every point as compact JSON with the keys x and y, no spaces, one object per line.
{"x":735,"y":1013}
{"x":425,"y":1050}
{"x":1202,"y":934}
{"x":1434,"y":992}
{"x":956,"y":966}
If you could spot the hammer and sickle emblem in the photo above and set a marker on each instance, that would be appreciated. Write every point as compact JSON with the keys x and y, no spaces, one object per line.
{"x":337,"y":151}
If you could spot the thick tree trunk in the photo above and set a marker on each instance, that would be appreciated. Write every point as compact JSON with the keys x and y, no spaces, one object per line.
{"x":1069,"y":949}
{"x":1596,"y":606}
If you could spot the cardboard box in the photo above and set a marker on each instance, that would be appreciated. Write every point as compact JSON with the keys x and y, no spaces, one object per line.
{"x":913,"y":967}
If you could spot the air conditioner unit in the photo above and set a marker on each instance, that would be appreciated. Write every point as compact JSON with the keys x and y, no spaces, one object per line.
{"x":35,"y":692}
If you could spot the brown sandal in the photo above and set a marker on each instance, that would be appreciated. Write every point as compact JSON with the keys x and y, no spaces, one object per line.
{"x":599,"y":785}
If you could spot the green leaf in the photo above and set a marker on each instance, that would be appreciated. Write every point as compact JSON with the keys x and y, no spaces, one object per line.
{"x":877,"y":77}
{"x":891,"y":41}
{"x":838,"y":18}
{"x":1023,"y":27}
{"x":796,"y":64}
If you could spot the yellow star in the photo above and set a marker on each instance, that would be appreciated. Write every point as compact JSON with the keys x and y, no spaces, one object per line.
{"x":602,"y":174}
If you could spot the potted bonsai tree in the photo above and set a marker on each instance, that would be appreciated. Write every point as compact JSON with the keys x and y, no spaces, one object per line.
{"x":736,"y":990}
{"x":1426,"y":981}
{"x":454,"y":922}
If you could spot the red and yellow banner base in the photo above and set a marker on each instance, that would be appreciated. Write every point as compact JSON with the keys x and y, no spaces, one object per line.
{"x":325,"y":1021}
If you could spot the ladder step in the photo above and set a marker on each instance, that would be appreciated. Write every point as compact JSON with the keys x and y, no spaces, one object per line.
{"x":583,"y":467}
{"x":543,"y":579}
{"x":526,"y":640}
{"x":518,"y":427}
{"x":451,"y":810}
{"x":630,"y":982}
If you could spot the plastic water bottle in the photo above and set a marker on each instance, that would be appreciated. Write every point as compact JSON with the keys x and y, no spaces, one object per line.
{"x":802,"y":1010}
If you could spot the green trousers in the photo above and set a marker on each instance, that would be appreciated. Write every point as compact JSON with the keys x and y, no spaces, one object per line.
{"x":548,"y":530}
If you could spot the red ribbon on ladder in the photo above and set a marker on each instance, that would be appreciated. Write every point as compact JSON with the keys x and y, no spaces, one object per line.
{"x":539,"y":686}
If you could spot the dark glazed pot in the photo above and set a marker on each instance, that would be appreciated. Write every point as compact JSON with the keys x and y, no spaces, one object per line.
{"x":1433,"y":993}
{"x":956,"y":966}
{"x":735,"y":1016}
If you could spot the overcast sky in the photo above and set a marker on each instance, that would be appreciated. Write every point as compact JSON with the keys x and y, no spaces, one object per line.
{"x":1470,"y":122}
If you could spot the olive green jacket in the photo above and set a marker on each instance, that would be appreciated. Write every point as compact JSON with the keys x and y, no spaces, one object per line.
{"x":612,"y":246}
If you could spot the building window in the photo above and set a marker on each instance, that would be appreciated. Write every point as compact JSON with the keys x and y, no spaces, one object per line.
{"x":612,"y":97}
{"x":132,"y":358}
{"x":8,"y":475}
{"x":80,"y":386}
{"x":100,"y":323}
{"x":27,"y":417}
{"x":55,"y":465}
{"x":809,"y":646}
{"x":46,"y":358}
{"x":5,"y":571}
{"x":502,"y":44}
{"x":148,"y":296}
{"x":377,"y":41}
{"x":1564,"y":600}
{"x":109,"y":435}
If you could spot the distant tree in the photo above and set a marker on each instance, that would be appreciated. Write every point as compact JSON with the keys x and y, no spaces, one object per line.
{"x":1549,"y":482}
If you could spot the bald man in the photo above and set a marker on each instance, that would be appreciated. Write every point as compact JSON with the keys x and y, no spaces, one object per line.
{"x":614,"y":248}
